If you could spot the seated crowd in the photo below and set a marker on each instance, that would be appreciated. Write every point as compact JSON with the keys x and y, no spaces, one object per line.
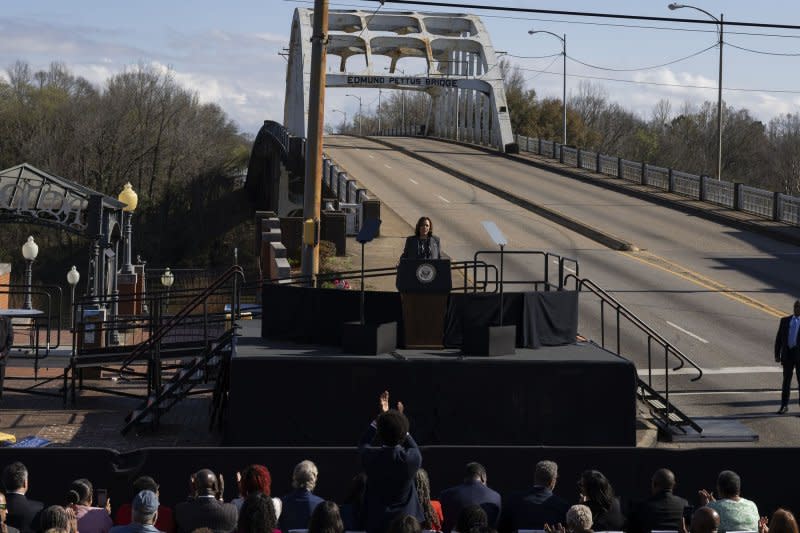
{"x":391,"y":495}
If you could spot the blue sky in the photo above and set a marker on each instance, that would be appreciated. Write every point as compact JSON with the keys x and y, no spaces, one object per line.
{"x":229,"y":51}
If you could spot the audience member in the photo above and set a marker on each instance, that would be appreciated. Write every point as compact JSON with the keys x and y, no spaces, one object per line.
{"x":164,"y":522}
{"x":471,"y":517}
{"x":578,"y":520}
{"x":300,"y":503}
{"x":534,"y":508}
{"x":205,"y":507}
{"x":704,"y":520}
{"x":55,"y":517}
{"x":254,"y":479}
{"x":735,"y":513}
{"x":783,"y":521}
{"x":598,"y":495}
{"x":432,"y":509}
{"x":90,"y":519}
{"x":352,"y":510}
{"x":5,"y":528}
{"x":257,"y":515}
{"x":662,"y":511}
{"x":22,"y":512}
{"x":391,"y":469}
{"x":326,"y":519}
{"x":404,"y":524}
{"x":473,"y":491}
{"x":144,"y":514}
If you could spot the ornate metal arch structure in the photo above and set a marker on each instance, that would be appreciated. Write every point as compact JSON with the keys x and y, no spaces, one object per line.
{"x":28,"y":194}
{"x":462,"y":77}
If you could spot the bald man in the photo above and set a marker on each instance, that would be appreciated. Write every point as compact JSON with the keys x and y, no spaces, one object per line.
{"x":662,"y":511}
{"x":704,"y":520}
{"x":205,"y":507}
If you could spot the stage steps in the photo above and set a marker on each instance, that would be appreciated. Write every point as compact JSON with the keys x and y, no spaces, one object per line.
{"x":665,"y":414}
{"x":198,"y":370}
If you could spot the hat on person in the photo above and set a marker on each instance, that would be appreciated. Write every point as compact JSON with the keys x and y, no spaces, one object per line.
{"x":145,"y":502}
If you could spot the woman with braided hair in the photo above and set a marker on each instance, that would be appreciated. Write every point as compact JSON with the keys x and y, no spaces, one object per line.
{"x":431,"y":508}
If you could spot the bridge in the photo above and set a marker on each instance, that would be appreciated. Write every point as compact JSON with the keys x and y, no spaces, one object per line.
{"x":709,"y":266}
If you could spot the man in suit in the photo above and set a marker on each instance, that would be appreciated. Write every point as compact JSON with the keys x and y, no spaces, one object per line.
{"x":205,"y":508}
{"x":662,"y":510}
{"x":473,"y":491}
{"x":787,"y":352}
{"x":23,"y":513}
{"x":391,"y":469}
{"x":534,"y":508}
{"x":300,"y":503}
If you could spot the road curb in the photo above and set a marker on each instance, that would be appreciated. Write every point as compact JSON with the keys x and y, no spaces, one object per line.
{"x":606,"y":239}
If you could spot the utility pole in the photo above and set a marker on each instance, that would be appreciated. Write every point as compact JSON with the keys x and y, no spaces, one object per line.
{"x":379,"y":110}
{"x":312,"y":190}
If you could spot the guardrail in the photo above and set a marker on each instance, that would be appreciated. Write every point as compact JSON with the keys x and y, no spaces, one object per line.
{"x":738,"y":196}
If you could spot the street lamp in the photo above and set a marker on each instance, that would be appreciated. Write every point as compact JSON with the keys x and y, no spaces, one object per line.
{"x":360,"y":116}
{"x":345,"y":117}
{"x":128,"y":197}
{"x":167,"y":279}
{"x":564,"y":83}
{"x":29,"y":251}
{"x":673,"y":6}
{"x":73,"y":277}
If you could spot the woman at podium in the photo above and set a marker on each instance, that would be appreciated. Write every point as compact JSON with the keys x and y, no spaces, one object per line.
{"x":423,"y":244}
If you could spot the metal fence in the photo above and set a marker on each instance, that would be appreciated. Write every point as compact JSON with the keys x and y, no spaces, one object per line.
{"x":772,"y":205}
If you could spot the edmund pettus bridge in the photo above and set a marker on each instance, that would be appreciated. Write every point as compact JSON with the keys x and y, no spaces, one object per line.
{"x":670,"y":285}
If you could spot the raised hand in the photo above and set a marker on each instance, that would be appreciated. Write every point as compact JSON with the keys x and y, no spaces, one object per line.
{"x":383,"y":401}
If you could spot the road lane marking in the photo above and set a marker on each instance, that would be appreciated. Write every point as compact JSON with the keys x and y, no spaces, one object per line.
{"x":682,"y":272}
{"x":726,"y":370}
{"x":442,"y":198}
{"x":371,"y":156}
{"x":387,"y":166}
{"x":568,"y":269}
{"x":415,"y":182}
{"x":701,"y":339}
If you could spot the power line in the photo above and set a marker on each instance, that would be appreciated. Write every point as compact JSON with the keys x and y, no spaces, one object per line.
{"x":546,"y":70}
{"x":762,"y":52}
{"x":663,"y":84}
{"x":534,"y":57}
{"x":587,"y":23}
{"x":461,"y":6}
{"x":643,"y":68}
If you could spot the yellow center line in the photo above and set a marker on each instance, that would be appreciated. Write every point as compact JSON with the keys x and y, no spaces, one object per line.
{"x":682,"y":272}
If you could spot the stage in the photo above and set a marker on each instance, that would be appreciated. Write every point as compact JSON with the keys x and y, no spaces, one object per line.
{"x":287,"y":394}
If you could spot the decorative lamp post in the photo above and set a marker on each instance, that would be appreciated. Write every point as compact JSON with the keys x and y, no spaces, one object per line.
{"x":360,"y":116}
{"x":673,"y":6}
{"x":73,"y":277}
{"x":128,"y":197}
{"x":564,"y":74}
{"x":167,"y":279}
{"x":29,"y":251}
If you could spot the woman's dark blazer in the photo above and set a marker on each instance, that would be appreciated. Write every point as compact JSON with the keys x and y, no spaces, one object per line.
{"x":410,"y":250}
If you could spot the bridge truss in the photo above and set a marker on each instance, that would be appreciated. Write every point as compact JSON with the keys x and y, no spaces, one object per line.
{"x":462,"y":77}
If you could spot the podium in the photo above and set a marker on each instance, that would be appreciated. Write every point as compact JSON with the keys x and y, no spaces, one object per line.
{"x":424,"y":286}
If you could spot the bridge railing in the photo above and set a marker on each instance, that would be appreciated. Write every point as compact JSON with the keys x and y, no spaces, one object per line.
{"x":772,"y":205}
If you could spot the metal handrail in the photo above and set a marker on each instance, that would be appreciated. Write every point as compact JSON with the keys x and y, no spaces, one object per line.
{"x":669,"y":348}
{"x":546,"y":256}
{"x":387,"y":271}
{"x":233,"y":272}
{"x":635,"y":320}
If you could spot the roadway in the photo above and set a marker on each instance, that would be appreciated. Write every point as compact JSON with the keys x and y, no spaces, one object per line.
{"x":713,"y":291}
